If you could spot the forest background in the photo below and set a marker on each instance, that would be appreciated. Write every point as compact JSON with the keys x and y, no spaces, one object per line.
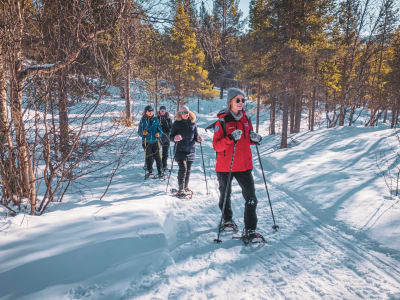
{"x":58,"y":60}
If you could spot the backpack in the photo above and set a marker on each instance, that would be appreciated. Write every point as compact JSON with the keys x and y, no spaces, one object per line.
{"x":223,"y":125}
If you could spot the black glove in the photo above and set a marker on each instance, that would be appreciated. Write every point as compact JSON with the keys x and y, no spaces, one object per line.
{"x":235,"y":135}
{"x":255,"y":137}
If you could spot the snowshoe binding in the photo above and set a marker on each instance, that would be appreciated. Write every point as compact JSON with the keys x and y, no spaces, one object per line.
{"x":160,"y":176}
{"x":182,"y":194}
{"x":228,"y":226}
{"x":148,"y":175}
{"x":251,"y":237}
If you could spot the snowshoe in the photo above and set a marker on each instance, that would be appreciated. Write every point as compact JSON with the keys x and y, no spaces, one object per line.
{"x":148,"y":175}
{"x":182,"y":194}
{"x":251,"y":237}
{"x":228,"y":226}
{"x":159,"y":176}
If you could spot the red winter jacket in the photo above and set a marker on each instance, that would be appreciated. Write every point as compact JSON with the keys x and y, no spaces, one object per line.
{"x":243,"y":160}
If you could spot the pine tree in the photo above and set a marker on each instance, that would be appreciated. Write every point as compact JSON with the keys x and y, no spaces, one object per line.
{"x":186,"y":58}
{"x":282,"y":36}
{"x":379,"y":64}
{"x":392,"y":77}
{"x":154,"y":63}
{"x":227,"y":27}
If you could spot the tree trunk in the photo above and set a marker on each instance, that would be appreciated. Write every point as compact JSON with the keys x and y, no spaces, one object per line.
{"x":178,"y":103}
{"x":372,"y":118}
{"x":25,"y":170}
{"x":395,"y":109}
{"x":292,"y":114}
{"x":385,"y":116}
{"x":8,"y":167}
{"x":258,"y":106}
{"x":121,"y":88}
{"x":127,"y":90}
{"x":297,"y":123}
{"x":24,"y":157}
{"x":272,"y":116}
{"x":198,"y":104}
{"x":63,"y":114}
{"x":156,"y":94}
{"x":285,"y":120}
{"x":342,"y":114}
{"x":5,"y":135}
{"x":351,"y":116}
{"x":377,"y":119}
{"x":221,"y":92}
{"x":312,"y":111}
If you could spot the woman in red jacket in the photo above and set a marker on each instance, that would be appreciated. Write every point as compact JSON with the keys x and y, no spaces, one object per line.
{"x":238,"y":129}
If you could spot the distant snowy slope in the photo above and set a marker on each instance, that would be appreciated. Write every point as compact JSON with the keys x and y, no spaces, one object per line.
{"x":333,"y":173}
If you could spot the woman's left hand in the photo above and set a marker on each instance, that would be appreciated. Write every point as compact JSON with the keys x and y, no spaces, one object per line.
{"x":199,"y":139}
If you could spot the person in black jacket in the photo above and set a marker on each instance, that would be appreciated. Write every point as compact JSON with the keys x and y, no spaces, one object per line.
{"x":166,"y":125}
{"x":184,"y":134}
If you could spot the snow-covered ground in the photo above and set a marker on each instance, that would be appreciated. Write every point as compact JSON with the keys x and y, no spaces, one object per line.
{"x":339,"y":234}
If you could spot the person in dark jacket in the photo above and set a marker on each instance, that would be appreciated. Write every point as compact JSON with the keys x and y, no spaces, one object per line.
{"x":150,"y":130}
{"x":239,"y":130}
{"x":166,"y":124}
{"x":184,"y":134}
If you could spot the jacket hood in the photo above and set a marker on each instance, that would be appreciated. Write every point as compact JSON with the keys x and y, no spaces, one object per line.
{"x":192,"y":117}
{"x":224,"y":112}
{"x":167,"y":115}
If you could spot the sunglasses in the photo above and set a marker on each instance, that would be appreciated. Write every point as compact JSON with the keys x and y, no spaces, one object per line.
{"x":184,"y":112}
{"x":238,"y":100}
{"x":162,"y":110}
{"x":149,"y":110}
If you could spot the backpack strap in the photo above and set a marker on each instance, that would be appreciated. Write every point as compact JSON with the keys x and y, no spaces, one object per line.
{"x":223,"y":125}
{"x":249,"y":121}
{"x":221,"y":121}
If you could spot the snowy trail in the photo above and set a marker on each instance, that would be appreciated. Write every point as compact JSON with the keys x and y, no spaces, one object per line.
{"x":295,"y":262}
{"x":142,"y":243}
{"x":311,"y":256}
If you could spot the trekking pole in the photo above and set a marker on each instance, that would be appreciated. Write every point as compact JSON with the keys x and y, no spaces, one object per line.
{"x":159,"y":148}
{"x":172,"y":165}
{"x":275,"y":227}
{"x":170,"y":151}
{"x":217,"y":240}
{"x":204,"y":168}
{"x":145,"y":158}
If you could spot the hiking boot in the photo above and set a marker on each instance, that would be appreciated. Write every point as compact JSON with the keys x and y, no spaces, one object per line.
{"x":251,"y":234}
{"x":229,"y":224}
{"x":181,"y":193}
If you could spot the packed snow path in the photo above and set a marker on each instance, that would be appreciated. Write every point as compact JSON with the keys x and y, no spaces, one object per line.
{"x":313,"y":256}
{"x":142,"y":243}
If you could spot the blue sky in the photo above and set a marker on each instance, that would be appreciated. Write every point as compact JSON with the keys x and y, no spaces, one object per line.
{"x":243,"y":5}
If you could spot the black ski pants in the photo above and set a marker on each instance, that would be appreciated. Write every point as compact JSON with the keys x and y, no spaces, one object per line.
{"x":152,"y":151}
{"x":246,"y":183}
{"x":184,"y":173}
{"x":165,"y":149}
